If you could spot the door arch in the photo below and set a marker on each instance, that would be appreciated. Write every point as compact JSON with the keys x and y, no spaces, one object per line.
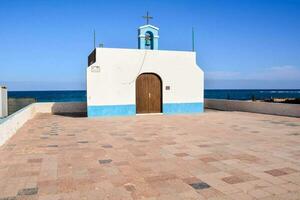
{"x":148,"y":93}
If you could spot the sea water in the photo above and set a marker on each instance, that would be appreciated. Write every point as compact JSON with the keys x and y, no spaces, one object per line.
{"x":80,"y":95}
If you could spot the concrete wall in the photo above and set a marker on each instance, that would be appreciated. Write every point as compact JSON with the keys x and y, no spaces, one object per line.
{"x":10,"y":124}
{"x":292,"y":110}
{"x":3,"y":102}
{"x":112,"y":83}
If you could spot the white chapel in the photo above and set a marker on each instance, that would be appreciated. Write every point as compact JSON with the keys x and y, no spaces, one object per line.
{"x":145,"y":80}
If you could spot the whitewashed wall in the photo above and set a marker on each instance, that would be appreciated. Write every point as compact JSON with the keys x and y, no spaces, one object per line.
{"x":114,"y":84}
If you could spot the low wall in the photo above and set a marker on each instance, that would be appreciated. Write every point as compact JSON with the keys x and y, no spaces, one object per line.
{"x":291,"y":110}
{"x":61,"y":107}
{"x":10,"y":124}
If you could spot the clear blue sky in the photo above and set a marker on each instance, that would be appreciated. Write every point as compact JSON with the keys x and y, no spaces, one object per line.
{"x":240,"y":43}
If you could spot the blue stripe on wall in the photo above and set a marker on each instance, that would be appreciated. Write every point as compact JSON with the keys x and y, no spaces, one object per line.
{"x":125,"y":110}
{"x":176,"y":108}
{"x":111,"y":110}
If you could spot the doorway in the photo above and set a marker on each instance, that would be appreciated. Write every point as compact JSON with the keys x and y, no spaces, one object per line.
{"x":148,"y":93}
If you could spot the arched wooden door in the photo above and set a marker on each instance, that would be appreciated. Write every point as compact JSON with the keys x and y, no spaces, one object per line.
{"x":148,"y":93}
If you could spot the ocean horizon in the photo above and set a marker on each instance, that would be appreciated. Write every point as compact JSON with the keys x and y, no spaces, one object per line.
{"x":232,"y":94}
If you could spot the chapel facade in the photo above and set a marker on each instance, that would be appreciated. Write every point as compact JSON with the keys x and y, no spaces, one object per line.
{"x":145,"y":80}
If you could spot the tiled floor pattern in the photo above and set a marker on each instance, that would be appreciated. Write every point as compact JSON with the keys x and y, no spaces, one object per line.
{"x":216,"y":155}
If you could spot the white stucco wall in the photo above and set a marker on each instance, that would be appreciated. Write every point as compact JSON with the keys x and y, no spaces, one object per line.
{"x":114,"y":84}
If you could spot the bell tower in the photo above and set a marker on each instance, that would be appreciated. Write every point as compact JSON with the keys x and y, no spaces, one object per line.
{"x":148,"y":35}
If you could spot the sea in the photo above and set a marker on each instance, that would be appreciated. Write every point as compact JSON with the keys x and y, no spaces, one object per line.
{"x":80,"y":95}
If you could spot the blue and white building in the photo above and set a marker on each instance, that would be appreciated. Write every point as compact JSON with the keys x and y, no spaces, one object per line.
{"x":123,"y":82}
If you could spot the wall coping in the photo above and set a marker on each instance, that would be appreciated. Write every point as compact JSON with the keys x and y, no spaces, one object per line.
{"x":271,"y":108}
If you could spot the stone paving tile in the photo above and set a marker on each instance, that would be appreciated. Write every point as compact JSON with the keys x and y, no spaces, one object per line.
{"x":276,"y":172}
{"x":259,"y":193}
{"x":181,"y":154}
{"x":28,"y":191}
{"x":107,"y":146}
{"x":35,"y":160}
{"x":8,"y":198}
{"x":107,"y":161}
{"x":216,"y":155}
{"x":199,"y":185}
{"x":233,"y":179}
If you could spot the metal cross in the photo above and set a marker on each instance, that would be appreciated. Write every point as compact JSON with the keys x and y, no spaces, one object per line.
{"x":147,"y":17}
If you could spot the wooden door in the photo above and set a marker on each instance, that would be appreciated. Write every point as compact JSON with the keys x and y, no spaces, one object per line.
{"x":148,"y":94}
{"x":142,"y":101}
{"x":154,"y":93}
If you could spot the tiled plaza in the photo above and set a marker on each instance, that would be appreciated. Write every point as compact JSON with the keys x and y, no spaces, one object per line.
{"x":216,"y":155}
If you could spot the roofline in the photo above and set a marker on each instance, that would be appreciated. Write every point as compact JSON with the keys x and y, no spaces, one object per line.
{"x":153,"y":50}
{"x":149,"y":25}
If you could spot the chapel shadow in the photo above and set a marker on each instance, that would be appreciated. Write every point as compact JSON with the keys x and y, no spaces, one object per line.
{"x":74,"y":110}
{"x":73,"y":115}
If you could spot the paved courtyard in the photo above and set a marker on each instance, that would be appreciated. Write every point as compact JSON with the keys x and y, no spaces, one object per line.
{"x":216,"y":155}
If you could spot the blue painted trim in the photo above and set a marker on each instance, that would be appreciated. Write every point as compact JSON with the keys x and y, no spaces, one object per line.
{"x":111,"y":110}
{"x":125,"y":110}
{"x":177,"y":108}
